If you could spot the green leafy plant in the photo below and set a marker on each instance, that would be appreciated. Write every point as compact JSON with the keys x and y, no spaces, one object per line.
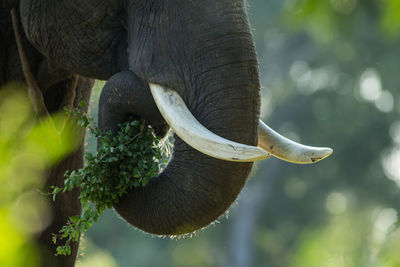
{"x":124,"y":160}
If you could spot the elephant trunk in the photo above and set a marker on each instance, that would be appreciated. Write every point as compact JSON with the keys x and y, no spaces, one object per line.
{"x":195,"y":189}
{"x":217,"y":76}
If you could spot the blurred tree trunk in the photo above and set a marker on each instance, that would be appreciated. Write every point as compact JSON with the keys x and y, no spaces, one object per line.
{"x":251,"y":204}
{"x":254,"y":198}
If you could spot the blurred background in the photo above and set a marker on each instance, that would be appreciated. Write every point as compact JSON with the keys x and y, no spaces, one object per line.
{"x":330,"y":76}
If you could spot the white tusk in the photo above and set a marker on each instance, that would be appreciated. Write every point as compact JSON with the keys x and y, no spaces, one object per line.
{"x":185,"y":125}
{"x":288,"y":150}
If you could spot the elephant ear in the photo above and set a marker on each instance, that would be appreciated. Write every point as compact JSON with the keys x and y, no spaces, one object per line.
{"x":86,"y":37}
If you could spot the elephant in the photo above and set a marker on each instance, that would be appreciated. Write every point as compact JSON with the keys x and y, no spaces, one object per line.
{"x":186,"y":64}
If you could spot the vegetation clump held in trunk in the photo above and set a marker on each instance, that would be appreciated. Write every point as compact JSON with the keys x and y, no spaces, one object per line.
{"x":124,"y":160}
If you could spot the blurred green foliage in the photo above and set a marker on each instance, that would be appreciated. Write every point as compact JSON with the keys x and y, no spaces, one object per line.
{"x":325,"y":20}
{"x":27,"y":149}
{"x":390,"y":18}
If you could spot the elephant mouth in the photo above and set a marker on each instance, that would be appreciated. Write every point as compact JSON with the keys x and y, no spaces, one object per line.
{"x":185,"y":125}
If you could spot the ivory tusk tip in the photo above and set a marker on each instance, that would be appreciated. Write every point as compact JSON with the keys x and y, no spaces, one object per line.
{"x":288,"y":150}
{"x":323,"y":153}
{"x":306,"y":155}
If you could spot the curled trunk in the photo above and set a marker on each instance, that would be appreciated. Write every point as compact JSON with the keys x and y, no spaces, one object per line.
{"x":216,"y":74}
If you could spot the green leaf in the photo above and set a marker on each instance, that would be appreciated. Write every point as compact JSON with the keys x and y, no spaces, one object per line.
{"x":74,"y":219}
{"x":82,"y":104}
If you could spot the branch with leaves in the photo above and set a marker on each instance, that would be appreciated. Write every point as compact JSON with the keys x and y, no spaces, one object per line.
{"x":124,"y":160}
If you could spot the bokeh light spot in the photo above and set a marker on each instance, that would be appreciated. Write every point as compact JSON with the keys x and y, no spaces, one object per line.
{"x":394,"y":131}
{"x":336,"y":203}
{"x":30,"y":212}
{"x":370,"y":85}
{"x":385,"y":219}
{"x":344,"y":7}
{"x":385,"y":102}
{"x":295,"y":188}
{"x":391,"y":164}
{"x":300,"y":73}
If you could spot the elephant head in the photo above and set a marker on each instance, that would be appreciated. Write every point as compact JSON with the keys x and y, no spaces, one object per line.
{"x":203,"y":50}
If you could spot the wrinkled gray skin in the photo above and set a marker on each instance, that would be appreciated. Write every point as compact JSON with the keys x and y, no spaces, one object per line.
{"x":203,"y":49}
